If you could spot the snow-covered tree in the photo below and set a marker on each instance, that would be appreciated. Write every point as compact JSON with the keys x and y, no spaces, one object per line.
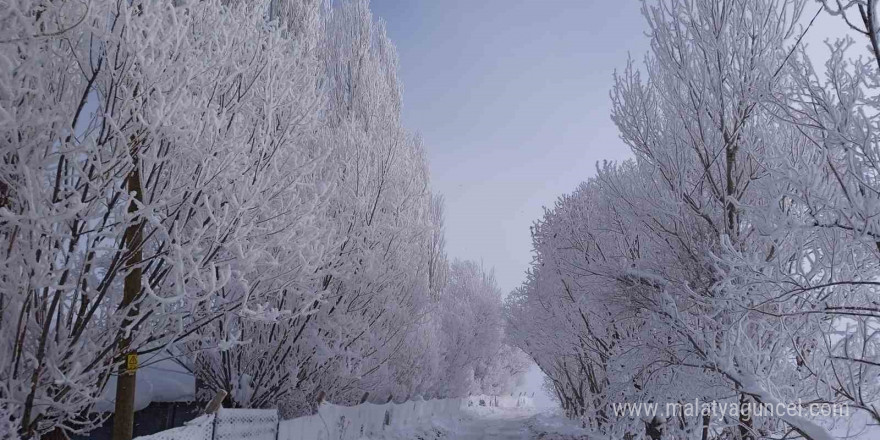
{"x":369,"y":295}
{"x":154,"y":157}
{"x":664,"y":273}
{"x":827,"y":181}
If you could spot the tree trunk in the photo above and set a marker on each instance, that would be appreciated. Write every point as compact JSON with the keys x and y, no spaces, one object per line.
{"x":653,"y":430}
{"x":745,"y":419}
{"x":706,"y":419}
{"x":123,"y":417}
{"x":55,"y":434}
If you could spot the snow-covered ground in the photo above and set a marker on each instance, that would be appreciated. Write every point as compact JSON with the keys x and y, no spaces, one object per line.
{"x":485,"y":423}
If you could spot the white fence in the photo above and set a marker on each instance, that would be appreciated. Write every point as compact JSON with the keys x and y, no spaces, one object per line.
{"x":251,"y":424}
{"x":332,"y":422}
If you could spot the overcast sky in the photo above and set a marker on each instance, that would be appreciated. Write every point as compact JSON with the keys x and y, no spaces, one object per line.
{"x":511,"y":98}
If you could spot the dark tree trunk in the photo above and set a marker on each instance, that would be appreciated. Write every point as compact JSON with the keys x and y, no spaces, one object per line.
{"x":654,"y":429}
{"x":123,"y":417}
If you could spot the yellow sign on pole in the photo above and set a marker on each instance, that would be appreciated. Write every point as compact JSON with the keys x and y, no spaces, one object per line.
{"x":131,"y":362}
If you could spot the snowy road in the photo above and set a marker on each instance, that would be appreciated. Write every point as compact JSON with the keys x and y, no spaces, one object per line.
{"x":513,"y":424}
{"x":496,"y":426}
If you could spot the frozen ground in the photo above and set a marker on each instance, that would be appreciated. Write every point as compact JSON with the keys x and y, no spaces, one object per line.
{"x":484,"y":423}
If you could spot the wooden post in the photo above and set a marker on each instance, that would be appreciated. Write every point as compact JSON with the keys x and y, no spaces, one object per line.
{"x":216,"y":403}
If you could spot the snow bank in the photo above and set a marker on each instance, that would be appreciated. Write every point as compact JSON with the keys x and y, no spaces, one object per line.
{"x":227,"y":424}
{"x":368,"y":420}
{"x":200,"y":428}
{"x":162,"y":381}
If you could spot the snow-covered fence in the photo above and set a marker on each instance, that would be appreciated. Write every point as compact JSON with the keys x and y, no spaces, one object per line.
{"x":225,"y":424}
{"x":332,"y":422}
{"x":252,"y":424}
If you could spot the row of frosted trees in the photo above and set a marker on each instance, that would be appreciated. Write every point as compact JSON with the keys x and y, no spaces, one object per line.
{"x":736,"y":257}
{"x":226,"y":183}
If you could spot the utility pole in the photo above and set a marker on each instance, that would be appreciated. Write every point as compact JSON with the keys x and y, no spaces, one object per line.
{"x":123,"y":416}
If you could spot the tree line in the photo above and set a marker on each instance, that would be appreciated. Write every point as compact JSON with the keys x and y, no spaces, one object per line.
{"x":735,"y":257}
{"x":227,"y":184}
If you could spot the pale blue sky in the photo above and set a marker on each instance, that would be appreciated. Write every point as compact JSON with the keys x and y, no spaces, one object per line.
{"x":511,"y":98}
